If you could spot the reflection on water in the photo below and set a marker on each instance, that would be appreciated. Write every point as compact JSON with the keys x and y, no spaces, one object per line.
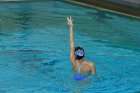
{"x":25,"y":55}
{"x":32,"y":59}
{"x":17,"y":18}
{"x":51,"y":63}
{"x":24,"y":16}
{"x":22,"y":51}
{"x":28,"y":56}
{"x":99,"y":16}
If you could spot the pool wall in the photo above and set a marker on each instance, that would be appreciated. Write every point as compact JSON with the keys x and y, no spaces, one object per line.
{"x":4,"y":1}
{"x":130,"y":7}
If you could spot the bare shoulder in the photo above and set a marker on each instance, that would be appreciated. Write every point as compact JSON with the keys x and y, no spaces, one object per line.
{"x":91,"y":64}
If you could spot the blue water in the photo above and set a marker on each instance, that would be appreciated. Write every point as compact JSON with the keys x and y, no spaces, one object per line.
{"x":34,"y":49}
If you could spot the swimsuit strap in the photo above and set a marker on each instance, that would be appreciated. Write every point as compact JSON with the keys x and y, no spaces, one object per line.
{"x":79,"y":66}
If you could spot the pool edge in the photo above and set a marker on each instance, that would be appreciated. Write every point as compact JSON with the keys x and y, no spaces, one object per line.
{"x":105,"y":9}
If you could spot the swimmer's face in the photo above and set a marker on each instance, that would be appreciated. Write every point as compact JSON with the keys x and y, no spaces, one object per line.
{"x":79,"y":53}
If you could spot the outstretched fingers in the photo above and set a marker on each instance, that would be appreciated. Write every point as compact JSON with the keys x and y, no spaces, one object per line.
{"x":70,"y":18}
{"x":69,"y":21}
{"x":67,"y":18}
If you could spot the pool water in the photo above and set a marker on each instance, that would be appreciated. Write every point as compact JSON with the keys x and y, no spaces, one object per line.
{"x":34,"y":49}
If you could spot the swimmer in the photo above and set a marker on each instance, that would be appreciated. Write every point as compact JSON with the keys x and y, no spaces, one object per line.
{"x":81,"y":67}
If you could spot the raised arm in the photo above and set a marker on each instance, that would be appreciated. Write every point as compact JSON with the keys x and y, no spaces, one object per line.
{"x":70,"y":23}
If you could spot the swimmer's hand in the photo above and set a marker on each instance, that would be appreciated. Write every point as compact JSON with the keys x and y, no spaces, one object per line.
{"x":70,"y":21}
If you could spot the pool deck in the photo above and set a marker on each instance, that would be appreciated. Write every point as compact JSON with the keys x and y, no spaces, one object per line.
{"x":126,"y":7}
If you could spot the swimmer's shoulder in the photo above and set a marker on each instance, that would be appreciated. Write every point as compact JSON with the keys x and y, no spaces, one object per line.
{"x":92,"y":67}
{"x":90,"y":64}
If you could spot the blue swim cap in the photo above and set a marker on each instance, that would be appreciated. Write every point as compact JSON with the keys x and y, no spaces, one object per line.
{"x":79,"y":52}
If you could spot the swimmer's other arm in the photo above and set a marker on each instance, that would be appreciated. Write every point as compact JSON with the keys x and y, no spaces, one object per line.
{"x":93,"y":68}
